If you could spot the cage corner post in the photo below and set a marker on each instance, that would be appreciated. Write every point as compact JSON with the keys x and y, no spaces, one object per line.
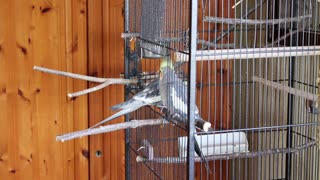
{"x":192,"y":86}
{"x":126,"y":75}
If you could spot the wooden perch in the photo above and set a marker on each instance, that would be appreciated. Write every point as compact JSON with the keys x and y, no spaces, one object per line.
{"x":254,"y":21}
{"x":233,"y":27}
{"x":218,"y":46}
{"x":87,"y":91}
{"x":110,"y":128}
{"x":287,"y":89}
{"x":284,"y":37}
{"x":204,"y":125}
{"x":105,"y":81}
{"x":130,"y":35}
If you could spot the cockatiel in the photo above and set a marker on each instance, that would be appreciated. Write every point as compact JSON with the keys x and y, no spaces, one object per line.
{"x":148,"y":96}
{"x":174,"y":95}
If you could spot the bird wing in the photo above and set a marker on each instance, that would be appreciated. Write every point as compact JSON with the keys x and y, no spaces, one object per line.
{"x":201,"y":155}
{"x":149,"y":95}
{"x":124,"y":105}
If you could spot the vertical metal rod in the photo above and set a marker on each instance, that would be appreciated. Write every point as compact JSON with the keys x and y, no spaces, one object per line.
{"x":290,"y":96}
{"x":192,"y":85}
{"x":126,"y":91}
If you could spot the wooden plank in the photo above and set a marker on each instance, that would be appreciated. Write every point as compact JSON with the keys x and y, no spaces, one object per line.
{"x":113,"y":26}
{"x":77,"y":62}
{"x":4,"y":140}
{"x":33,"y":105}
{"x":96,"y":102}
{"x":23,"y":89}
{"x":11,"y":97}
{"x":49,"y":47}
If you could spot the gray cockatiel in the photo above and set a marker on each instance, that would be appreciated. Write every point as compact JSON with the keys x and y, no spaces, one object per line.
{"x":174,"y":95}
{"x":148,"y":96}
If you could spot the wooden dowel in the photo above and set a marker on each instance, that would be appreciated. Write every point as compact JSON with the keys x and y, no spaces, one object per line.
{"x":287,"y":89}
{"x":84,"y":77}
{"x":110,"y":128}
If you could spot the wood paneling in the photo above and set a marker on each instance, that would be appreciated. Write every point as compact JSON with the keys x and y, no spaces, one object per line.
{"x":106,"y":23}
{"x":34,"y":107}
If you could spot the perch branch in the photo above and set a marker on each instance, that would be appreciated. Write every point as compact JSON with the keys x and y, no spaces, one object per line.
{"x":236,"y":4}
{"x":234,"y":26}
{"x":84,"y":77}
{"x":253,"y":21}
{"x":90,"y":90}
{"x":284,"y":37}
{"x":287,"y":89}
{"x":218,"y":46}
{"x":110,"y":128}
{"x":100,"y":86}
{"x":130,"y":35}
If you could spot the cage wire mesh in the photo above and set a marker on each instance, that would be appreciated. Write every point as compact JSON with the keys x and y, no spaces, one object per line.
{"x":257,"y":66}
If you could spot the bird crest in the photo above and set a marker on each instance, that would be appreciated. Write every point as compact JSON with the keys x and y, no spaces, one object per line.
{"x":166,"y":62}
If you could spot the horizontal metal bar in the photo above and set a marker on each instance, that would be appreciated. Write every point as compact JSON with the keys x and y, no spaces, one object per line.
{"x":173,"y":160}
{"x":262,"y":128}
{"x":211,"y":19}
{"x":251,"y":53}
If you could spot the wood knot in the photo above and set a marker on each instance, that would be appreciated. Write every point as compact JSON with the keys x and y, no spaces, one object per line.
{"x":22,"y":49}
{"x":85,"y":153}
{"x":20,"y":93}
{"x":45,"y":10}
{"x":222,"y":71}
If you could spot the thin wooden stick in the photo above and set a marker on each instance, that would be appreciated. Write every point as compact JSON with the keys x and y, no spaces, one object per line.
{"x":90,"y":90}
{"x":236,"y":4}
{"x":84,"y":77}
{"x":108,"y":82}
{"x":218,"y":46}
{"x":254,"y":21}
{"x":110,"y":128}
{"x":284,"y":37}
{"x":287,"y":89}
{"x":234,"y":26}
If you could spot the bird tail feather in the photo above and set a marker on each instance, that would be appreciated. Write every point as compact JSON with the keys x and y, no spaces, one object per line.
{"x":200,"y":154}
{"x":122,"y":105}
{"x":116,"y":115}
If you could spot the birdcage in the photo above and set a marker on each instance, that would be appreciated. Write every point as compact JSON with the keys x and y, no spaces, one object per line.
{"x":250,"y":67}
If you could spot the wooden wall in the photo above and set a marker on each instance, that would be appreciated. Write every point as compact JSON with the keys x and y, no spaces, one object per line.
{"x":71,"y":35}
{"x":105,"y":25}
